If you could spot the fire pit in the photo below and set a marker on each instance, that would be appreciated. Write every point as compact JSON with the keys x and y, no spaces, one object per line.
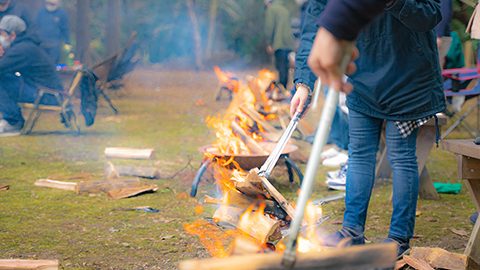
{"x":246,"y":162}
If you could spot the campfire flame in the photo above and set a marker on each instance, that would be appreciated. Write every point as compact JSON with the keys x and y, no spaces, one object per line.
{"x":248,"y":228}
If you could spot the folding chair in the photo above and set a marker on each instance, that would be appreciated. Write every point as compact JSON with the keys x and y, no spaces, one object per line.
{"x":456,"y":82}
{"x":65,"y":107}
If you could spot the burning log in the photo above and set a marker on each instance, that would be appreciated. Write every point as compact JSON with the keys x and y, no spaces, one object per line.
{"x":249,"y":142}
{"x":228,"y":215}
{"x":245,"y":245}
{"x":29,"y":264}
{"x":272,"y":133}
{"x":128,"y":153}
{"x":253,"y":176}
{"x":379,"y":256}
{"x":260,"y":226}
{"x":112,"y":171}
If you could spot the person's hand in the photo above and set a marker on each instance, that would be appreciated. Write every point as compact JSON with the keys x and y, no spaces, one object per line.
{"x":270,"y":50}
{"x":298,"y":101}
{"x":67,"y":47}
{"x":2,"y":51}
{"x":327,"y":57}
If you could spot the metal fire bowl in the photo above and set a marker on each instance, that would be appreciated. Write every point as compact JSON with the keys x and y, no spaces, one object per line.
{"x":248,"y":162}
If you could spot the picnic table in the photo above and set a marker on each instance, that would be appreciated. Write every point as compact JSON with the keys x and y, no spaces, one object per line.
{"x":468,"y":157}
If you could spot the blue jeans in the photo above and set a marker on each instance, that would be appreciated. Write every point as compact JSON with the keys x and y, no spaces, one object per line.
{"x":14,"y":90}
{"x":401,"y":152}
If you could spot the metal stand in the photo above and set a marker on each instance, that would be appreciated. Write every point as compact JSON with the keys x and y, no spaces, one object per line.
{"x":292,"y":169}
{"x":460,"y":121}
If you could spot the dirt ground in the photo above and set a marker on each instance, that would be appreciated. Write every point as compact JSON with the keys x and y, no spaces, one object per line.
{"x":162,"y":110}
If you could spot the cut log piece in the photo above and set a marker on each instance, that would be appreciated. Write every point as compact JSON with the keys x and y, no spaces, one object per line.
{"x":228,"y":215}
{"x":243,"y":245}
{"x":271,"y":133}
{"x":250,"y":190}
{"x":400,"y":264}
{"x":29,"y":264}
{"x":440,"y":258}
{"x":144,"y":172}
{"x":127,"y":192}
{"x":378,"y":256}
{"x":417,"y":264}
{"x":259,"y":226}
{"x":277,"y":196}
{"x":249,"y":142}
{"x":4,"y":187}
{"x":129,"y":153}
{"x":56,"y":184}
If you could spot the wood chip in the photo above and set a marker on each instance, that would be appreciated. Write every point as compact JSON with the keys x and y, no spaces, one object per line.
{"x":440,"y":258}
{"x":4,"y":187}
{"x":460,"y":232}
{"x":417,"y":264}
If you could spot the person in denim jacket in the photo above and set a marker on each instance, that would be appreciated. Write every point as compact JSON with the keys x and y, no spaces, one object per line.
{"x":398,"y":81}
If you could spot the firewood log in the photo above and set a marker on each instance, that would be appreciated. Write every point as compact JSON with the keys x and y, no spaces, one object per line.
{"x":249,"y":142}
{"x":29,"y":264}
{"x":259,"y":226}
{"x":243,"y":245}
{"x":56,"y":184}
{"x":228,"y":214}
{"x":128,"y":153}
{"x":271,"y":133}
{"x":440,"y":258}
{"x":378,"y":256}
{"x":417,"y":264}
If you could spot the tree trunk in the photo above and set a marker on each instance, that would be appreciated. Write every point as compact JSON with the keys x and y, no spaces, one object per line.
{"x":196,"y":34}
{"x":211,"y":28}
{"x":113,"y":26}
{"x":83,"y":33}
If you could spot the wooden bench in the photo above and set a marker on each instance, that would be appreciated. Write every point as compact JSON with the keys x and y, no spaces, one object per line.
{"x":425,"y":142}
{"x":468,"y":157}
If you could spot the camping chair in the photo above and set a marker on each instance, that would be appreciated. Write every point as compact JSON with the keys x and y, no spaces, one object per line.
{"x":65,"y":106}
{"x":112,"y":70}
{"x":456,"y":84}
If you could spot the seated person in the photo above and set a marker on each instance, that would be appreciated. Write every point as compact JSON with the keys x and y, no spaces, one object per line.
{"x":24,"y":67}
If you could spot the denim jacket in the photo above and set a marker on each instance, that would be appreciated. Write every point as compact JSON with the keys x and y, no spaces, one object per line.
{"x":398,"y":74}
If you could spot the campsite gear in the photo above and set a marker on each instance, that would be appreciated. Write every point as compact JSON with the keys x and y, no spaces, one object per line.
{"x":329,"y":199}
{"x":477,"y":141}
{"x":448,"y":188}
{"x":474,"y":217}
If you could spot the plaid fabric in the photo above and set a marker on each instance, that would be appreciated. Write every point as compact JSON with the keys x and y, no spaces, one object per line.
{"x":407,"y":127}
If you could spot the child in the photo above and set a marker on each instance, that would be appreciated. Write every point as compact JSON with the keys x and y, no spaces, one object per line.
{"x":398,"y":81}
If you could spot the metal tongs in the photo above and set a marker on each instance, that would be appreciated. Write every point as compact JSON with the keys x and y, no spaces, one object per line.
{"x":272,"y":159}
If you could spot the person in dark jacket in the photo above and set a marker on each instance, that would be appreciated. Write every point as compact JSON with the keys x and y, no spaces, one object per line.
{"x":279,"y":37}
{"x":53,"y":29}
{"x":398,"y":81}
{"x":10,"y":7}
{"x":24,"y":66}
{"x":443,"y":30}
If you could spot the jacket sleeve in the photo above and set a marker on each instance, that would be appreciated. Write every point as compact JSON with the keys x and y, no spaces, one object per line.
{"x":13,"y":60}
{"x":346,"y":18}
{"x":443,"y":28}
{"x":269,"y":25}
{"x":303,"y":74}
{"x":418,"y":15}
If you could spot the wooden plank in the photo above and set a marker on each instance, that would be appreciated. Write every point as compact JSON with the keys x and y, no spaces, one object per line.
{"x":56,"y":184}
{"x":473,"y":246}
{"x":129,"y":153}
{"x":470,"y":168}
{"x":378,"y":256}
{"x":474,"y":189}
{"x":29,"y":264}
{"x":462,"y":147}
{"x":276,"y":195}
{"x":417,"y":264}
{"x":131,"y":191}
{"x":440,"y":258}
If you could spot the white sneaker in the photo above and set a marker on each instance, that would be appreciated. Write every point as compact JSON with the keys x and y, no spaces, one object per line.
{"x":331,"y":152}
{"x":339,"y":182}
{"x":335,"y":161}
{"x":7,"y":130}
{"x":338,"y":173}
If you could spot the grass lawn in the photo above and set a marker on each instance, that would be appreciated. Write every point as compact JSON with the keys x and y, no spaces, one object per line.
{"x":159,"y":109}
